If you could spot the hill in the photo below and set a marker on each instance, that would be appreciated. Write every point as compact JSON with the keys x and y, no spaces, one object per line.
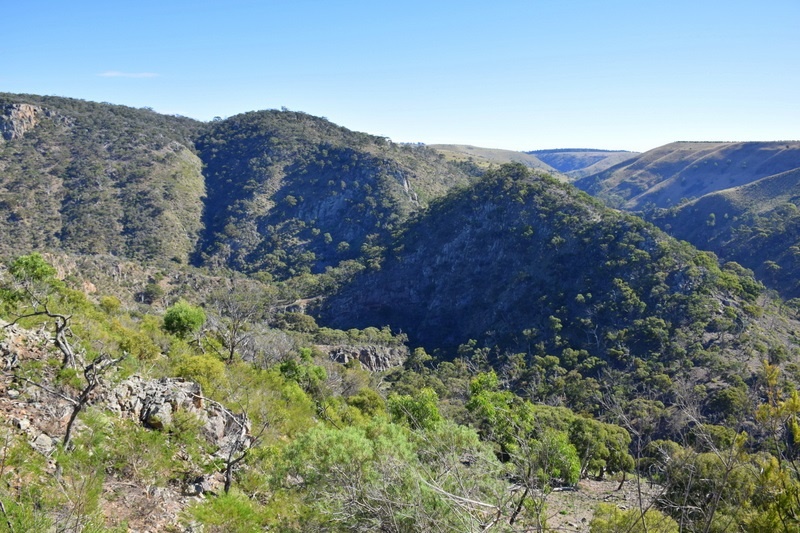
{"x":484,"y":158}
{"x":273,"y":191}
{"x":97,"y":178}
{"x":687,"y":170}
{"x":289,"y":192}
{"x":217,"y":331}
{"x":580,"y":162}
{"x":522,"y":263}
{"x":757,"y":225}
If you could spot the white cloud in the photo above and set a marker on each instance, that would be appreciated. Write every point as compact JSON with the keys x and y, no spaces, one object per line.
{"x":118,"y":74}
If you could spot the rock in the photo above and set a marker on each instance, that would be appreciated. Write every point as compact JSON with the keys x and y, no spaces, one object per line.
{"x":372,"y":357}
{"x":18,"y":119}
{"x":43,"y":443}
{"x":155,"y":403}
{"x":13,"y":393}
{"x":21,"y":423}
{"x":207,"y":484}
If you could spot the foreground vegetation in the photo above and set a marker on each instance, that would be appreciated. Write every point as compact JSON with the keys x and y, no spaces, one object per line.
{"x":432,"y":446}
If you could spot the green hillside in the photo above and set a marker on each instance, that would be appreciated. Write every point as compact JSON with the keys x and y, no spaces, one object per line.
{"x":273,"y":323}
{"x":95,"y":178}
{"x":524,"y":264}
{"x":757,"y":225}
{"x":289,"y":192}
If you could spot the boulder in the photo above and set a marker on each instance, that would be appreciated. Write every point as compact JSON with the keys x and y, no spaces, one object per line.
{"x":154,"y":404}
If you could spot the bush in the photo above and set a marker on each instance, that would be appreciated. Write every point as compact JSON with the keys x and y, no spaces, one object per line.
{"x":183,"y":319}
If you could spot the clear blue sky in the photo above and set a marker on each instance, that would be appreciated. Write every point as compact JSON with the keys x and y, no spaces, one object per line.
{"x":520,"y":75}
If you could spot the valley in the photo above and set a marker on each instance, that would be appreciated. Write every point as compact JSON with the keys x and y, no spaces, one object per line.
{"x":312,"y":328}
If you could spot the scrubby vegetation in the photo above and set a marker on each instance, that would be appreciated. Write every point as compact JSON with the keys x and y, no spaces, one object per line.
{"x":522,"y":339}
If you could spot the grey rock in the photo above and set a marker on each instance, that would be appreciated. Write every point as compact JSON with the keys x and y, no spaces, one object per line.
{"x":18,"y":119}
{"x":372,"y":357}
{"x":155,"y":403}
{"x":43,"y":443}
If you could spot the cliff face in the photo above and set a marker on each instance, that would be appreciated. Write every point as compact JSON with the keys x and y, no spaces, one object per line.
{"x":373,"y":358}
{"x":17,"y":119}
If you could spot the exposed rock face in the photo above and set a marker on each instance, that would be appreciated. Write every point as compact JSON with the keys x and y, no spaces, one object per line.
{"x":155,"y":402}
{"x":17,"y":119}
{"x":372,"y":358}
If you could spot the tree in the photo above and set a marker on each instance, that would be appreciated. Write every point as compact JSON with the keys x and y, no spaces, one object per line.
{"x":33,"y":287}
{"x":236,"y":309}
{"x":182,"y":318}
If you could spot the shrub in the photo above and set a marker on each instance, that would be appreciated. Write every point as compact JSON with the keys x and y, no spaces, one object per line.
{"x":182,"y":318}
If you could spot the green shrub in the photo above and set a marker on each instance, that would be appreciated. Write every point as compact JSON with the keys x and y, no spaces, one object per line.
{"x":182,"y":319}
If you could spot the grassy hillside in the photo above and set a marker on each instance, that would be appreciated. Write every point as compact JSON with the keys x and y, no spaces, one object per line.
{"x":485,"y":158}
{"x":578,"y":163}
{"x":664,"y":176}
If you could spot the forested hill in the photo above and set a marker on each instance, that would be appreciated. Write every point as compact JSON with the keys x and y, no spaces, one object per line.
{"x":523,"y":263}
{"x":757,"y":225}
{"x":270,"y":322}
{"x":84,"y":177}
{"x":289,"y":192}
{"x":275,"y":191}
{"x":738,"y":200}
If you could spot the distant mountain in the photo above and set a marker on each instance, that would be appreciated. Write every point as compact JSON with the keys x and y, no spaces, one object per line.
{"x":580,"y":162}
{"x":664,"y":176}
{"x":484,"y":158}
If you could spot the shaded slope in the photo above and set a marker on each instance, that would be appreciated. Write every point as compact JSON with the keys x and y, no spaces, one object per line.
{"x":96,"y":178}
{"x":686,"y":170}
{"x":757,"y":225}
{"x":290,"y":193}
{"x":527,"y":264}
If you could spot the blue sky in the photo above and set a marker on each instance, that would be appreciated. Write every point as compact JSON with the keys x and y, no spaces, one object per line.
{"x":520,"y":75}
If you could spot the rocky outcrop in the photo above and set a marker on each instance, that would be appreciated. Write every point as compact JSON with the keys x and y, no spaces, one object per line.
{"x":373,"y":358}
{"x":18,"y":119}
{"x":155,"y":402}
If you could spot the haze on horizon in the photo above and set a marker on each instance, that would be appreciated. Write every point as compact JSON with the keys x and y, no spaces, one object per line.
{"x":517,"y":75}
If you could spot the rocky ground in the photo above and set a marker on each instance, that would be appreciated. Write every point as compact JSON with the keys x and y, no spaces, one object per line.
{"x":38,"y":410}
{"x":572,"y":511}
